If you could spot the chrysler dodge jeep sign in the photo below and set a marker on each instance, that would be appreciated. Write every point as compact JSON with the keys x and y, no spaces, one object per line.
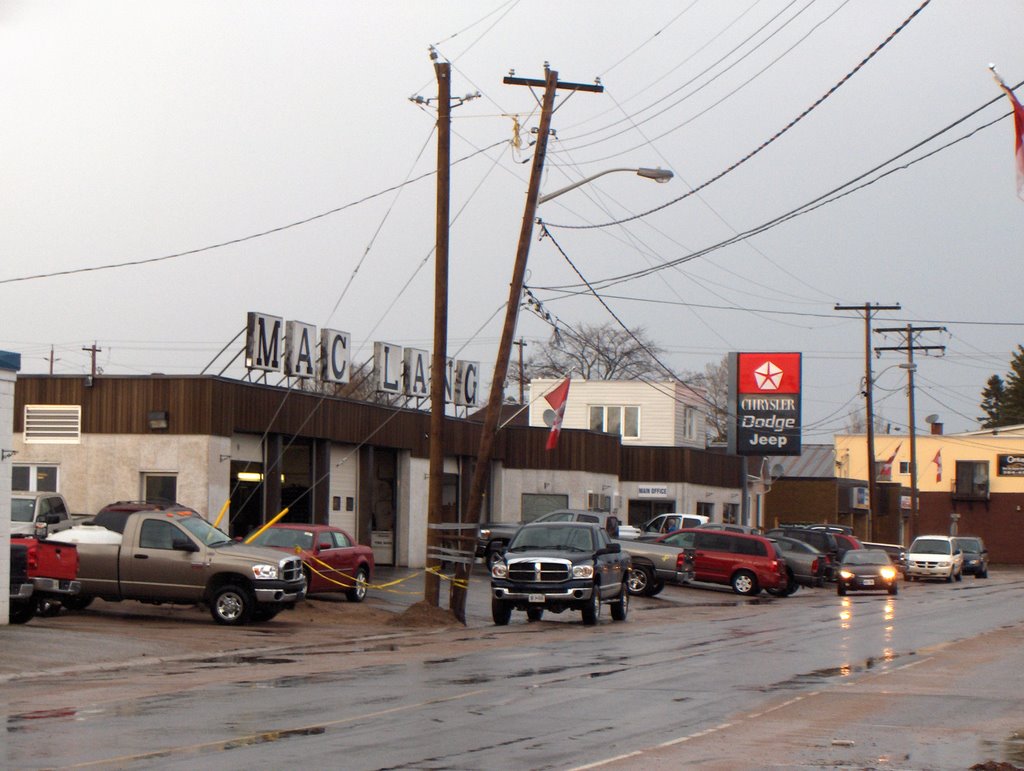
{"x":764,"y":396}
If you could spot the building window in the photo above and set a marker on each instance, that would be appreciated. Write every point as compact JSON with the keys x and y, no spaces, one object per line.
{"x":689,"y":423}
{"x":905,"y":467}
{"x":160,"y":487}
{"x":53,"y":423}
{"x":731,"y":514}
{"x":706,"y":509}
{"x":971,"y":481}
{"x":624,"y":421}
{"x":32,"y":478}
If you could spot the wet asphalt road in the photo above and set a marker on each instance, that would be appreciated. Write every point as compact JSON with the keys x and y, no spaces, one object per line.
{"x":696,"y":678}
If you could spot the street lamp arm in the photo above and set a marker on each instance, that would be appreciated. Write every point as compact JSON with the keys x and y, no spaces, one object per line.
{"x":658,"y":175}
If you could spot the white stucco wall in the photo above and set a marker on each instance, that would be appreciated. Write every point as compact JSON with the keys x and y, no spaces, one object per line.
{"x":508,"y":487}
{"x":109,"y":467}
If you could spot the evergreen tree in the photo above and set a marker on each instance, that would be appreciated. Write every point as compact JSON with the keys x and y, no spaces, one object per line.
{"x":1003,"y":400}
{"x":993,"y":399}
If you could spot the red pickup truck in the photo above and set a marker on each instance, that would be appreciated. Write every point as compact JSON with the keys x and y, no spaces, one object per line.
{"x":53,"y":571}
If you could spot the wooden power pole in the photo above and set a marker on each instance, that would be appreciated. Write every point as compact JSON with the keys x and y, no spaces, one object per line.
{"x":481,"y":471}
{"x":869,"y":309}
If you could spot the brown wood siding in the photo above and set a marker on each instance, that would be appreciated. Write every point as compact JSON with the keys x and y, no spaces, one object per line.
{"x":524,"y":448}
{"x":208,"y":405}
{"x":681,"y":464}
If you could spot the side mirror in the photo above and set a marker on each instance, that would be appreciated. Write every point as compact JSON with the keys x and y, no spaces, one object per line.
{"x":612,"y":548}
{"x":183,"y":544}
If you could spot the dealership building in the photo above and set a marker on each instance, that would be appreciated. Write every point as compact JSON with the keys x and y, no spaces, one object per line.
{"x":252,"y":450}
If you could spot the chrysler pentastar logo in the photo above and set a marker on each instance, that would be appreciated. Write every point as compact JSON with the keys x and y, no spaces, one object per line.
{"x":768,"y":377}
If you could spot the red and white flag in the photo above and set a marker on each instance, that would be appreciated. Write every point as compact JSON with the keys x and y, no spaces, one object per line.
{"x":886,"y":470}
{"x":557,"y":399}
{"x":937,"y":460}
{"x":1018,"y":131}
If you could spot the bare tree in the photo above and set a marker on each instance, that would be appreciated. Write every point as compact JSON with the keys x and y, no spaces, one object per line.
{"x":597,"y":352}
{"x":715,"y":382}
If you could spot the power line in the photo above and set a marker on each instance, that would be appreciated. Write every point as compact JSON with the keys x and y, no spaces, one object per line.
{"x":772,"y":138}
{"x":243,"y":239}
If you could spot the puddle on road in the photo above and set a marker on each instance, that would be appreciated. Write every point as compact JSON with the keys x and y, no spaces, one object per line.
{"x":819,"y":676}
{"x":1010,"y":750}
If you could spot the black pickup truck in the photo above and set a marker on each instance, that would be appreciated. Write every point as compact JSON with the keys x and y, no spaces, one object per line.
{"x":560,"y":566}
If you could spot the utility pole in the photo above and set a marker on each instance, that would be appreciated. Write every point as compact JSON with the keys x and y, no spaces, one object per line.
{"x":93,"y":350}
{"x":52,"y":360}
{"x":910,"y":334}
{"x":481,"y":471}
{"x":521,"y":344}
{"x":435,"y":487}
{"x":869,"y":309}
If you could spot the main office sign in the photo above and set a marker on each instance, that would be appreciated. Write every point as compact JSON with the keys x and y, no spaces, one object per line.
{"x":764,"y":396}
{"x":295,"y":349}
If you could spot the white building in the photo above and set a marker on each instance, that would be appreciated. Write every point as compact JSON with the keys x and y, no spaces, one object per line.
{"x":654,"y":414}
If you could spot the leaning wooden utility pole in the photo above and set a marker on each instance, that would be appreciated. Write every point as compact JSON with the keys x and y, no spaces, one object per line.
{"x":481,"y":472}
{"x":431,"y":582}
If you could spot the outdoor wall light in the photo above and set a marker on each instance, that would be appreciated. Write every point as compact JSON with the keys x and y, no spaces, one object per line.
{"x":157,"y":420}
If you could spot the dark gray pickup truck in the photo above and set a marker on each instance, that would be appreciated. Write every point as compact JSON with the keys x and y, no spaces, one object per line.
{"x":560,"y":566}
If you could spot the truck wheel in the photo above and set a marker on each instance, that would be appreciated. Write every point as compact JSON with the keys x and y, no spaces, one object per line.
{"x":620,"y":608}
{"x":76,"y":601}
{"x":959,"y":575}
{"x":501,"y":611}
{"x":358,"y":592}
{"x":232,"y":605}
{"x":22,"y":612}
{"x":535,"y":613}
{"x":640,"y":580}
{"x":656,"y":588}
{"x":745,"y":583}
{"x":592,"y":611}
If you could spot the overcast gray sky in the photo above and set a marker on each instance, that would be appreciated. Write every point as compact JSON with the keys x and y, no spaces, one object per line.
{"x":138,"y":130}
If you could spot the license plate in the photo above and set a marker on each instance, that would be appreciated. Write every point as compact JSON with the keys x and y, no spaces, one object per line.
{"x":869,"y":582}
{"x":536,"y":598}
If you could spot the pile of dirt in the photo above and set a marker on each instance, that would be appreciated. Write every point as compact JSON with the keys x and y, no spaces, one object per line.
{"x":992,"y":765}
{"x":331,"y":612}
{"x":423,"y":614}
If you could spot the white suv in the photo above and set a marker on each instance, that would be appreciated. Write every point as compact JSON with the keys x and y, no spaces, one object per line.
{"x":934,"y":556}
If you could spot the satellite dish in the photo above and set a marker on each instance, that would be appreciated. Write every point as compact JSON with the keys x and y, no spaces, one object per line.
{"x":929,"y":419}
{"x":549,"y":417}
{"x":778,"y":470}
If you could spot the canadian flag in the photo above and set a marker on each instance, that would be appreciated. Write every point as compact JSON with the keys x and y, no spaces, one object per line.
{"x":1018,"y":130}
{"x":937,"y":460}
{"x":886,"y":470}
{"x":557,"y":399}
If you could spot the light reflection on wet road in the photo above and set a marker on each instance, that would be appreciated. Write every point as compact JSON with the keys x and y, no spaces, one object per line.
{"x":549,"y":695}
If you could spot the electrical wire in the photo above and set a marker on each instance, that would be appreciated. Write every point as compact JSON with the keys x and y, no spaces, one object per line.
{"x":243,"y":239}
{"x":772,"y":138}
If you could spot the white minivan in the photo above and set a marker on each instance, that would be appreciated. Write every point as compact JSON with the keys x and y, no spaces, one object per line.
{"x":934,"y":556}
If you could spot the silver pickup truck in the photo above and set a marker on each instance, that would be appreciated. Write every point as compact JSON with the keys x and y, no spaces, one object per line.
{"x":654,"y":565}
{"x":175,"y":556}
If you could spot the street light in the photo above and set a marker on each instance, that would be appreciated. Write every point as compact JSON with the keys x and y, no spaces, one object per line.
{"x":658,"y":175}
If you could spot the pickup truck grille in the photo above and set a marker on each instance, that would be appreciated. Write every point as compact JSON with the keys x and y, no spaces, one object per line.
{"x":291,"y":569}
{"x":539,"y":571}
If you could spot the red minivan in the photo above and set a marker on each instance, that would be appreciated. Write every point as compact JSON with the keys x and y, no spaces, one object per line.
{"x":747,"y":563}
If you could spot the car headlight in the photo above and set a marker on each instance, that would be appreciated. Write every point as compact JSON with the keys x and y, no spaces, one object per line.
{"x":499,"y":570}
{"x":485,"y":533}
{"x":582,"y":571}
{"x":845,"y":575}
{"x":265,"y":572}
{"x":888,"y":573}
